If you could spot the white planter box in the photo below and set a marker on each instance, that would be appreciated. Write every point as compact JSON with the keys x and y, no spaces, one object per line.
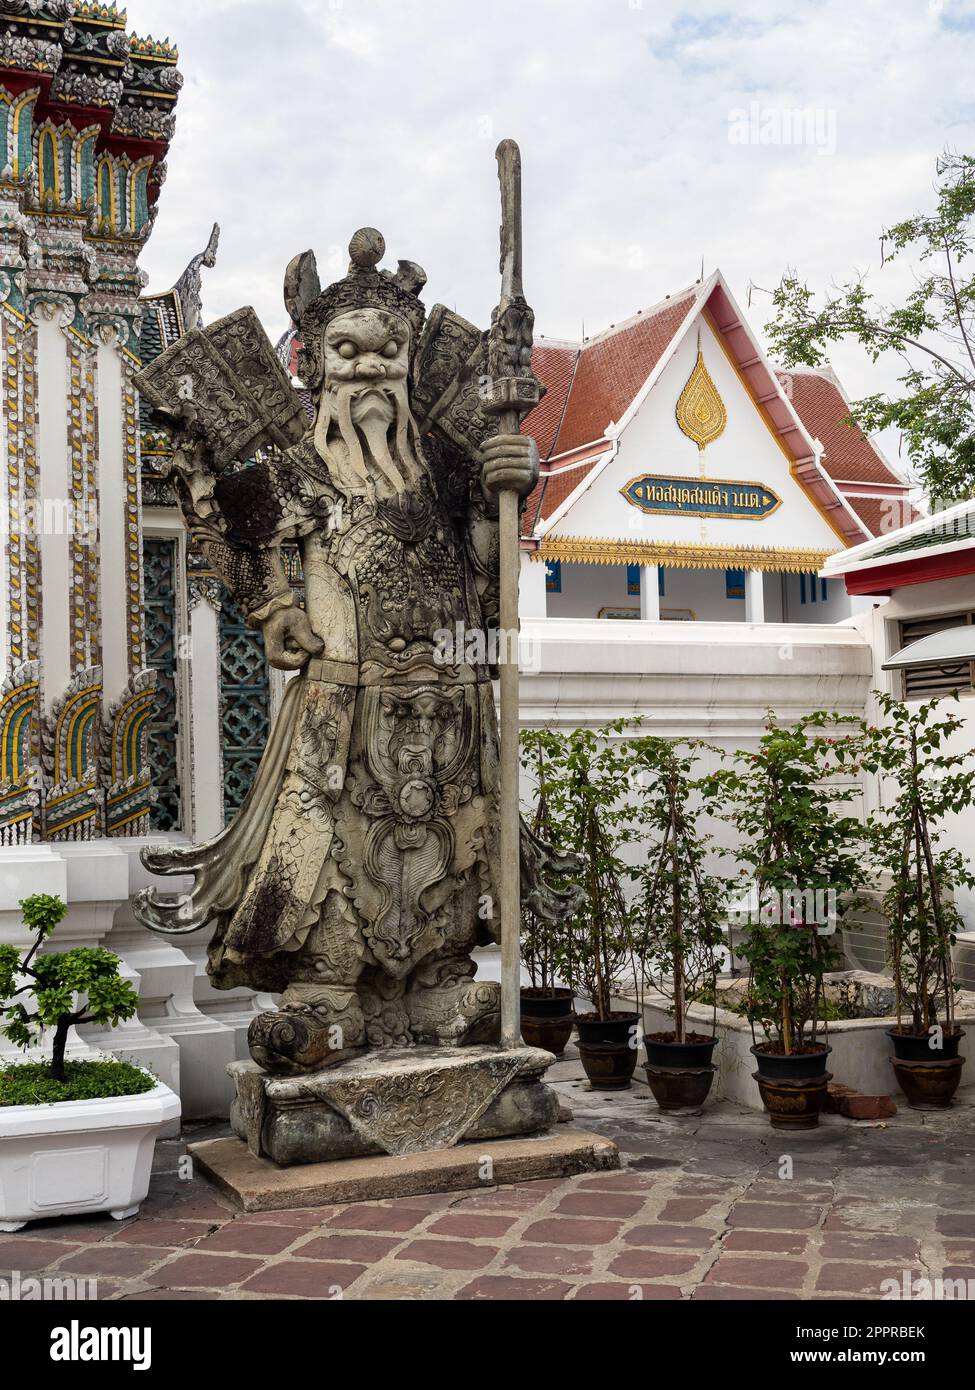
{"x":79,"y":1156}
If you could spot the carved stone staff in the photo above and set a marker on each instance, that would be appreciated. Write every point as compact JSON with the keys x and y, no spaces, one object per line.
{"x":511,"y":392}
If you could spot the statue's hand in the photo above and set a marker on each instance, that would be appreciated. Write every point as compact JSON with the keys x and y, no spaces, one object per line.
{"x":289,"y":639}
{"x":509,"y":462}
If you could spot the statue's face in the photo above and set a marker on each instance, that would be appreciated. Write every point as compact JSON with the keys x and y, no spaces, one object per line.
{"x":367,"y":356}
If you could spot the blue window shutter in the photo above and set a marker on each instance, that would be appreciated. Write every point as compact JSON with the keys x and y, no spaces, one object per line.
{"x":553,"y":576}
{"x":825,"y":584}
{"x":633,"y":579}
{"x":802,"y":588}
{"x":734,"y":583}
{"x":662,"y":582}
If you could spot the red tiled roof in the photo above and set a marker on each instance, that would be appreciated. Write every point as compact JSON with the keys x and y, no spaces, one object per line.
{"x":588,"y":386}
{"x":608,"y":375}
{"x":881,"y":515}
{"x":555,"y":367}
{"x":849,"y":456}
{"x":553,"y":488}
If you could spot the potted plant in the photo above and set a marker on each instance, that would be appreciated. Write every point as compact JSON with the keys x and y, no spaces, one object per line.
{"x":803,"y":854}
{"x":75,"y":1136}
{"x":928,"y":784}
{"x":679,"y":911}
{"x":547,"y":1016}
{"x":584,"y":783}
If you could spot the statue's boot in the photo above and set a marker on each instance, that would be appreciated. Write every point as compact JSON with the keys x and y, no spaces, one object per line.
{"x":452,"y":1011}
{"x":307,"y":1034}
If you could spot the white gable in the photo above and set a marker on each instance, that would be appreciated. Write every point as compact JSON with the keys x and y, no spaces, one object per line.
{"x":652,"y":442}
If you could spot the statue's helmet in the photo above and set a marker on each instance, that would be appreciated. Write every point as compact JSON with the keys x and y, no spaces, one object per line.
{"x":365,"y":287}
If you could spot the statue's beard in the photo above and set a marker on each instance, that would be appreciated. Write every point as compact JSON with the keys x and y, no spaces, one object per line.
{"x":368,"y":436}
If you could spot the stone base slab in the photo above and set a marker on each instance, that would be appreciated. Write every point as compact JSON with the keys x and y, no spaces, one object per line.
{"x":393,"y":1101}
{"x":255,"y":1184}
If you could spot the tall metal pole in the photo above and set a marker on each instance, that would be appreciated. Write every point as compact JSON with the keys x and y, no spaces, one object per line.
{"x":512,"y":393}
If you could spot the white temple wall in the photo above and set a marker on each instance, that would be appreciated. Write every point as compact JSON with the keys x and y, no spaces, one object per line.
{"x":880,"y":626}
{"x":835,"y":608}
{"x":697,"y":681}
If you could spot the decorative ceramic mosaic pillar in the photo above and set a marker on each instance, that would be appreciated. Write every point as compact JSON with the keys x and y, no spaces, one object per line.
{"x":86,"y":117}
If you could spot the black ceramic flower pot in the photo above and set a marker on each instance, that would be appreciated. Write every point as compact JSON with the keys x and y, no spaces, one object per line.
{"x":546,"y":1018}
{"x":914,"y":1047}
{"x":664,"y":1051}
{"x":607,"y":1049}
{"x":792,"y":1066}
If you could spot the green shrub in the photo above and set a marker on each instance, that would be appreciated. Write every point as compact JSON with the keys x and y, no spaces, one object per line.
{"x":31,"y":1083}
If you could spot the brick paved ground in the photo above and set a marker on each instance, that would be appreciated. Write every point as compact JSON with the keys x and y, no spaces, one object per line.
{"x":698,"y":1212}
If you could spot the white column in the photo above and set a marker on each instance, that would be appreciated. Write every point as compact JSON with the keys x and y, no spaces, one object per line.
{"x":205,"y":731}
{"x":533,"y":600}
{"x":53,"y":504}
{"x":754,"y":596}
{"x":113,"y":520}
{"x":650,"y":593}
{"x":231,"y":1009}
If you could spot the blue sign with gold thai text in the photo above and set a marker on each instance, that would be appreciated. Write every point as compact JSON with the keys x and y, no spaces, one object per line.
{"x":713,"y":497}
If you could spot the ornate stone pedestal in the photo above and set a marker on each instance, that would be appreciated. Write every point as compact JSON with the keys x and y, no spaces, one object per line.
{"x":400,"y":1101}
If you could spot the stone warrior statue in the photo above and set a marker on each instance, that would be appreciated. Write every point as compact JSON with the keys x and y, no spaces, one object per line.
{"x":360,"y":873}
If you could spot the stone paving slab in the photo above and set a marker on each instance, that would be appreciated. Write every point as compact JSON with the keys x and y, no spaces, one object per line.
{"x":714,"y":1207}
{"x":255,"y":1184}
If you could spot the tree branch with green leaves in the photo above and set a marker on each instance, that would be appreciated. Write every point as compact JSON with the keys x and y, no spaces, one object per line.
{"x":932,"y":332}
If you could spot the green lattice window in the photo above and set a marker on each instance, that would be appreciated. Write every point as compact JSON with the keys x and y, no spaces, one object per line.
{"x":245,"y":704}
{"x":160,"y":559}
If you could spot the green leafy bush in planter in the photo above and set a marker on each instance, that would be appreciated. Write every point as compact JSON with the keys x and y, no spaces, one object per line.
{"x":798,"y":844}
{"x":928,"y":785}
{"x":679,"y":905}
{"x":585,"y":783}
{"x":53,"y":982}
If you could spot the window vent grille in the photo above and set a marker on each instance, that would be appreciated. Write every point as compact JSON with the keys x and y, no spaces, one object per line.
{"x":928,"y":682}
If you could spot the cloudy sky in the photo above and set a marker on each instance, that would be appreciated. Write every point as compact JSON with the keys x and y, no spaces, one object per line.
{"x":654,"y":135}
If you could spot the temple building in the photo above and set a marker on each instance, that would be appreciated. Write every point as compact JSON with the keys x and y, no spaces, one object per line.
{"x":685,"y":478}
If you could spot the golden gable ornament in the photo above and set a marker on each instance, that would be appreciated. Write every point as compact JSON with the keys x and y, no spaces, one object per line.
{"x":701,"y":413}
